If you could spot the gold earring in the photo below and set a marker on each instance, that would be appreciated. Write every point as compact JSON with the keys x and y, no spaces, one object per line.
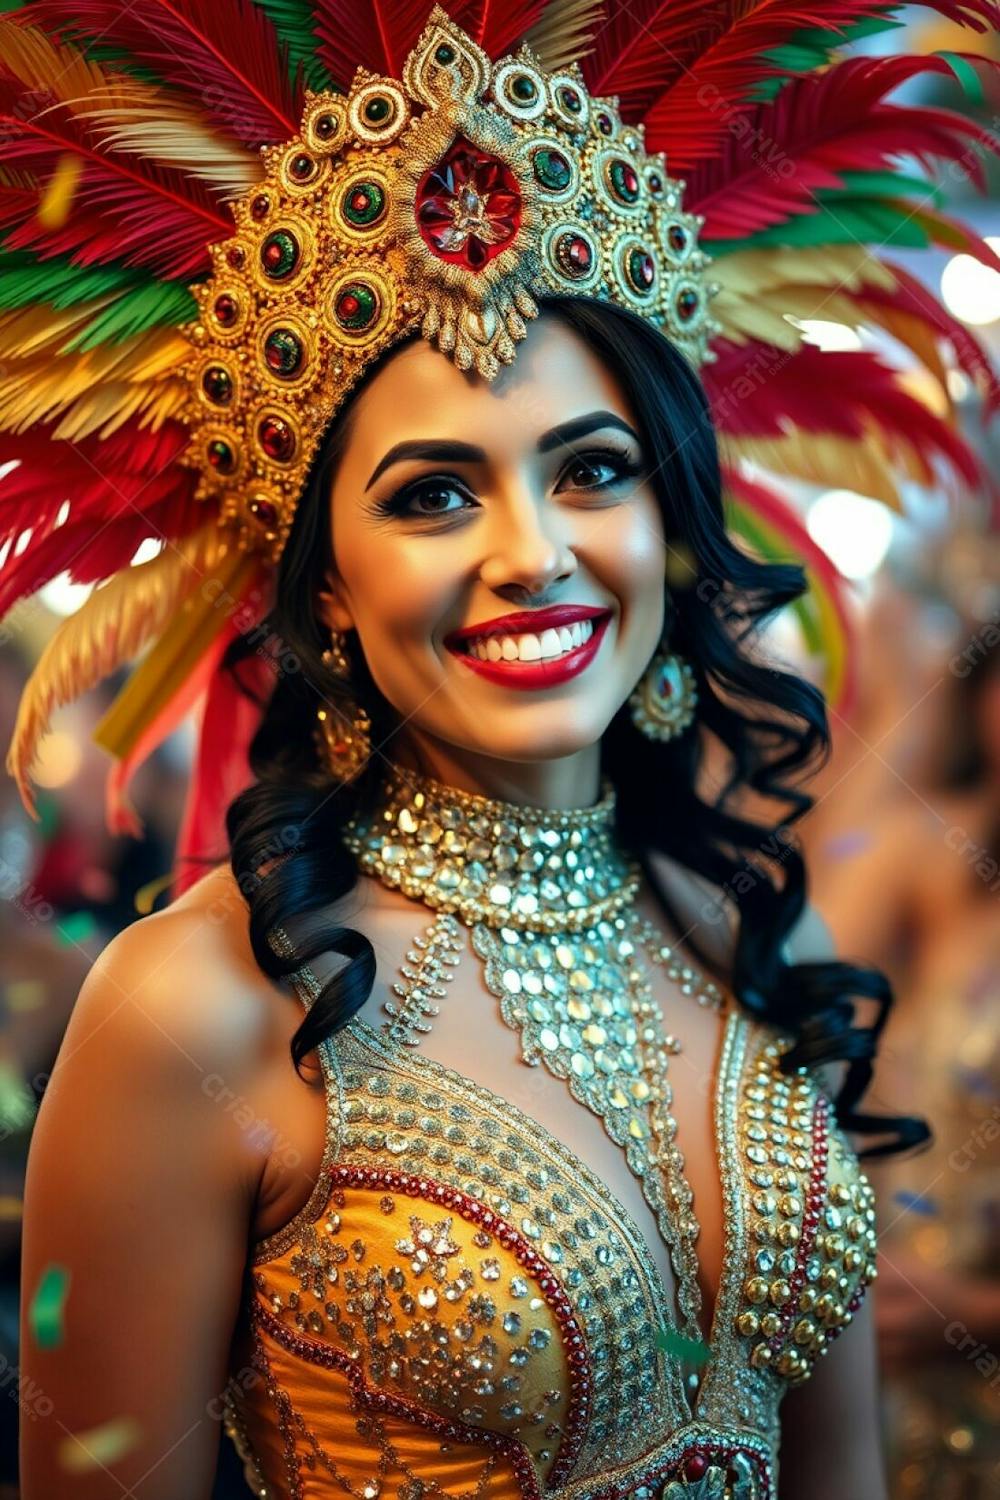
{"x":663,"y":704}
{"x":343,"y":736}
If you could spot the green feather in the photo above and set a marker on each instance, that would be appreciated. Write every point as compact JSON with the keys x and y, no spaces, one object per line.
{"x":739,"y":519}
{"x":869,"y":207}
{"x":140,"y":301}
{"x":851,"y":221}
{"x":969,"y":79}
{"x":810,"y":48}
{"x":293,"y":21}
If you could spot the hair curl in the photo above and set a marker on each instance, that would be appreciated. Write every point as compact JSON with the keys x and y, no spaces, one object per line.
{"x":771,"y":722}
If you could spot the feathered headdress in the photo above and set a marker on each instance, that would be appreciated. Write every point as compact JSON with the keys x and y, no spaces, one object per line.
{"x":174,"y":172}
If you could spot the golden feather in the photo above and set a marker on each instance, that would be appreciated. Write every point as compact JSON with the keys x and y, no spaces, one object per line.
{"x":562,"y":35}
{"x":38,"y":390}
{"x":117,"y":620}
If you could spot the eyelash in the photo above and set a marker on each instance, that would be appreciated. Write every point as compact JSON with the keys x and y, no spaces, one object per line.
{"x":397,"y":504}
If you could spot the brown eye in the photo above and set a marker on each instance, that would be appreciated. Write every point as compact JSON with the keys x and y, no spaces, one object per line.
{"x":427,"y":498}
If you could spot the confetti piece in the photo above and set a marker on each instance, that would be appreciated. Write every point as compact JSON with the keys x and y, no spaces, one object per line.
{"x":56,"y":201}
{"x":917,"y":1203}
{"x":10,"y":1208}
{"x":17,"y":1102}
{"x":25,"y":994}
{"x":76,"y":928}
{"x":45,"y":1316}
{"x":147,"y":894}
{"x":695,"y":1351}
{"x":100,"y":1446}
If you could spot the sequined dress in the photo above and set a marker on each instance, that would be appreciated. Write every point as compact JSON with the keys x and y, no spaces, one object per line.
{"x":464,"y":1308}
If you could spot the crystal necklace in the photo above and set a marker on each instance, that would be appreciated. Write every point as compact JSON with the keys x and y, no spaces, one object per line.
{"x":548,"y":897}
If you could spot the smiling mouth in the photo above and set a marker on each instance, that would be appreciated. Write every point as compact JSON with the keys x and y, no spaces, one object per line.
{"x":528,"y":646}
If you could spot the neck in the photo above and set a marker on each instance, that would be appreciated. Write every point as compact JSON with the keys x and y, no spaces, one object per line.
{"x":490,"y":860}
{"x":567,"y":781}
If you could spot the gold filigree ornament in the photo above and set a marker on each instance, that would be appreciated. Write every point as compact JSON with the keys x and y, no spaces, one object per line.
{"x":448,"y":201}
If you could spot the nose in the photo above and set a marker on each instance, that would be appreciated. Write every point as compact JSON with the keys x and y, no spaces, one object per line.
{"x":529,"y":552}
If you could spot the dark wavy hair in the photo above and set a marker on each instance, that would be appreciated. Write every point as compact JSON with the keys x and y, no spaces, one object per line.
{"x":284,"y":829}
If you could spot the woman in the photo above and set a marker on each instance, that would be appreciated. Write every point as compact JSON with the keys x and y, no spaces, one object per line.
{"x":425,"y":1275}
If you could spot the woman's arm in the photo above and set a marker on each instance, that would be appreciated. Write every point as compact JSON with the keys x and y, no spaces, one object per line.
{"x":140,"y":1190}
{"x":831,"y":1438}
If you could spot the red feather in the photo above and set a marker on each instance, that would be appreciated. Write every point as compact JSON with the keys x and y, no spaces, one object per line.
{"x":379,"y":36}
{"x":125,"y":207}
{"x":817,"y":128}
{"x":223,"y":54}
{"x":650,"y":47}
{"x":372,"y":34}
{"x":89,"y":555}
{"x":102,"y":478}
{"x":826,"y":391}
{"x":775,"y":511}
{"x":912,"y":297}
{"x":498,"y":28}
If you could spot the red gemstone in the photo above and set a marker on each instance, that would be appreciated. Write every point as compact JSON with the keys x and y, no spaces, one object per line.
{"x":225,"y":310}
{"x":264,"y":511}
{"x":468,"y":206}
{"x":695,"y":1466}
{"x":573,"y":254}
{"x":236,"y":257}
{"x":276,"y":439}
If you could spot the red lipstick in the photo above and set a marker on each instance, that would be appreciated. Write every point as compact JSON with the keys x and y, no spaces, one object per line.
{"x":533,"y":674}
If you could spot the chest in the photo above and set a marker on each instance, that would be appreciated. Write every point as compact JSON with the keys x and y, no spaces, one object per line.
{"x":470,"y":1037}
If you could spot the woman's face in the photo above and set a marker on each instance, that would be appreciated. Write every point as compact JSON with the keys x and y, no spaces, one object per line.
{"x":499,"y":548}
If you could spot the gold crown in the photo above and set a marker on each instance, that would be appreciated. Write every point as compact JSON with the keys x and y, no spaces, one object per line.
{"x":446,"y":201}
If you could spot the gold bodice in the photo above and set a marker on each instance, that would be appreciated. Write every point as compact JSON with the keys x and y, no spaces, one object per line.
{"x":464,"y":1308}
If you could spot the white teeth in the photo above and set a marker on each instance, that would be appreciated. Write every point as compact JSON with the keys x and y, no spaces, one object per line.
{"x":530,"y":647}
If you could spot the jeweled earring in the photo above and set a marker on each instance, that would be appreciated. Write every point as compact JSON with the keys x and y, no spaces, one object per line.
{"x":343,"y":736}
{"x":664,"y":701}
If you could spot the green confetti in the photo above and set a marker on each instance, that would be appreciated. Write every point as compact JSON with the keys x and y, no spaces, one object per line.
{"x":694,"y":1351}
{"x":17,"y":1102}
{"x":45,"y":1315}
{"x":76,"y":928}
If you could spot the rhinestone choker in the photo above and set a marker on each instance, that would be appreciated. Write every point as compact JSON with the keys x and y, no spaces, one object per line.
{"x":532,"y":869}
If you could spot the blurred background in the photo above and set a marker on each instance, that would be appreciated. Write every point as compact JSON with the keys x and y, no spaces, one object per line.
{"x":903,"y":846}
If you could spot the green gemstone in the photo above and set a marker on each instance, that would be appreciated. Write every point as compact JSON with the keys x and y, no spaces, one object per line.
{"x":444,"y":55}
{"x":377,"y":109}
{"x":522,"y":88}
{"x":552,"y":169}
{"x":279,"y":254}
{"x":283,"y":352}
{"x":624,"y":182}
{"x":363,"y":203}
{"x":356,"y":306}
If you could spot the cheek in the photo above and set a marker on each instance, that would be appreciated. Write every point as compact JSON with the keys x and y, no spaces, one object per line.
{"x":400,"y":589}
{"x":624,"y":549}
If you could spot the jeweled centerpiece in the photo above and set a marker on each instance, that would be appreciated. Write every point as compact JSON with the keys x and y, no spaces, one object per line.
{"x":468,"y":205}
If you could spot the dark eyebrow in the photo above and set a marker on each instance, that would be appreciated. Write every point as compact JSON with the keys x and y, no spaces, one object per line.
{"x":440,"y":451}
{"x":580,"y":427}
{"x":447,"y":451}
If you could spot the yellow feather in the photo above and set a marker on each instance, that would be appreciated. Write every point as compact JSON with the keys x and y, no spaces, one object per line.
{"x":104,"y":411}
{"x":141,"y":117}
{"x":61,"y":70}
{"x":115,"y":623}
{"x":37,"y":390}
{"x":824,"y":458}
{"x":561,"y":36}
{"x":758,"y":287}
{"x":152,"y":125}
{"x":27,"y":331}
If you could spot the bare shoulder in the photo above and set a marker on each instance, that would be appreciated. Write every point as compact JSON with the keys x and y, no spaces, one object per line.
{"x":183,"y":983}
